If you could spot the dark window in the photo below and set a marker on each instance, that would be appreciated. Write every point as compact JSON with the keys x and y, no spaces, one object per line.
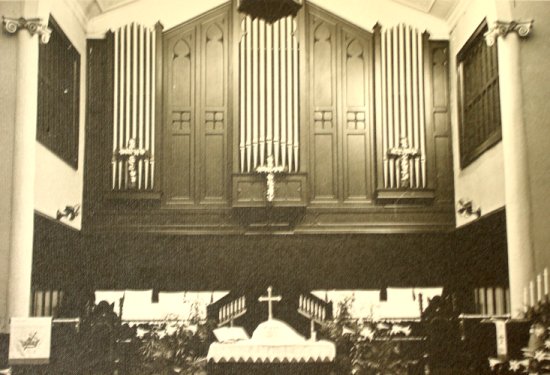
{"x":479,"y":101}
{"x":58,"y":96}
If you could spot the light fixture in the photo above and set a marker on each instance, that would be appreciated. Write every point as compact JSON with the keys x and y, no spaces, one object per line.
{"x":70,"y":212}
{"x":466,"y":208}
{"x":270,"y":10}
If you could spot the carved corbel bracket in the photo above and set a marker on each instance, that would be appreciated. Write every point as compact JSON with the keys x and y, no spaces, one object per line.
{"x":501,"y":28}
{"x":33,"y":26}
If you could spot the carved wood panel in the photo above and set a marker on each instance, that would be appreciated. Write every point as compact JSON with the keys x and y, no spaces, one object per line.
{"x":214,"y":80}
{"x":195,"y":100}
{"x":323,"y":99}
{"x":179,"y":127}
{"x":340,"y":110}
{"x":442,"y":154}
{"x":356,"y":121}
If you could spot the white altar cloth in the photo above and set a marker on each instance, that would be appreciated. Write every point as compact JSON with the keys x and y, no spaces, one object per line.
{"x":273,"y":341}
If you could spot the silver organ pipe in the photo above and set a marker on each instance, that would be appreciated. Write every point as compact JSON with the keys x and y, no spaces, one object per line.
{"x":402,"y":96}
{"x":255,"y":97}
{"x":248,"y":81}
{"x":135,"y":47}
{"x":402,"y":85}
{"x":119,"y":128}
{"x":383,"y":105}
{"x":128,"y":99}
{"x":396,"y":119}
{"x":295,"y":106}
{"x":115,"y":114}
{"x":133,"y":107}
{"x":141,"y":96}
{"x":262,"y":93}
{"x":389,"y":101}
{"x":420,"y":57}
{"x":289,"y":78}
{"x":153,"y":59}
{"x":269,"y":87}
{"x":415,"y":111}
{"x":408,"y":93}
{"x":242,"y":95}
{"x":276,"y":89}
{"x":147,"y":109}
{"x":282,"y":54}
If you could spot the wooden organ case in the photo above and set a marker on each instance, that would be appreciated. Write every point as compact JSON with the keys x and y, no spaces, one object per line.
{"x":181,"y":122}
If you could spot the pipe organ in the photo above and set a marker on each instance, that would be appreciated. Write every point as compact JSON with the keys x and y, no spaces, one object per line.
{"x":269,"y":94}
{"x":133,"y":161}
{"x":356,"y":119}
{"x":401,"y":112}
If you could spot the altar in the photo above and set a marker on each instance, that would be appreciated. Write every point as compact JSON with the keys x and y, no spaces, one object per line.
{"x":274,"y":348}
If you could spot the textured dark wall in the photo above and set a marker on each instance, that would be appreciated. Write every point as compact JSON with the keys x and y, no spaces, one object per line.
{"x":474,"y":256}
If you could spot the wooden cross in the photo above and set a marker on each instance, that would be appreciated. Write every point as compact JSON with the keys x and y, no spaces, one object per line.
{"x":132,"y":154}
{"x":270,"y":299}
{"x":270,"y":169}
{"x":404,"y":153}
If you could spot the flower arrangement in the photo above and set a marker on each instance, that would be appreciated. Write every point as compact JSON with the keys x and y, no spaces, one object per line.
{"x":175,"y":346}
{"x":364,"y":346}
{"x":536,"y":356}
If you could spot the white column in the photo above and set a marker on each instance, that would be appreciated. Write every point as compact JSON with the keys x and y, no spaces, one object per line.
{"x":22,"y":215}
{"x":521,"y":260}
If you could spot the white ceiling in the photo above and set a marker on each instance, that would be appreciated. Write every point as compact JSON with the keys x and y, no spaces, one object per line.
{"x":93,"y":8}
{"x":438,"y":8}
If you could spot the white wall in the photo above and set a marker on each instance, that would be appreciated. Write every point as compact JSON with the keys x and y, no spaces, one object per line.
{"x":148,"y":12}
{"x":57,"y":184}
{"x":364,"y":13}
{"x":483,"y":180}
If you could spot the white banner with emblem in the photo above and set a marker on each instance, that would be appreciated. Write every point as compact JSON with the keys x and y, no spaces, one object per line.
{"x":502,"y":341}
{"x":30,"y":341}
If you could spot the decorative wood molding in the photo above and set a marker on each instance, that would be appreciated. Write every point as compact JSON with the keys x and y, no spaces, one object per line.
{"x":250,"y":191}
{"x":502,"y":28}
{"x":282,"y":217}
{"x":32,"y":25}
{"x":404,"y":195}
{"x":133,"y":195}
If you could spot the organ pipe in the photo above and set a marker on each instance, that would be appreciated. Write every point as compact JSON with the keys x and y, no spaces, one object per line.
{"x":403,"y":118}
{"x":133,"y":108}
{"x":269,"y":88}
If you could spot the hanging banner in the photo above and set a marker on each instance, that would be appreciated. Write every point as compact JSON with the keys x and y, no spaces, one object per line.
{"x":30,"y":341}
{"x":502,"y":341}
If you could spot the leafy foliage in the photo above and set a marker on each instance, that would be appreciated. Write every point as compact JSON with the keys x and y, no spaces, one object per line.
{"x":537,"y":353}
{"x":176,"y":345}
{"x":366,"y":347}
